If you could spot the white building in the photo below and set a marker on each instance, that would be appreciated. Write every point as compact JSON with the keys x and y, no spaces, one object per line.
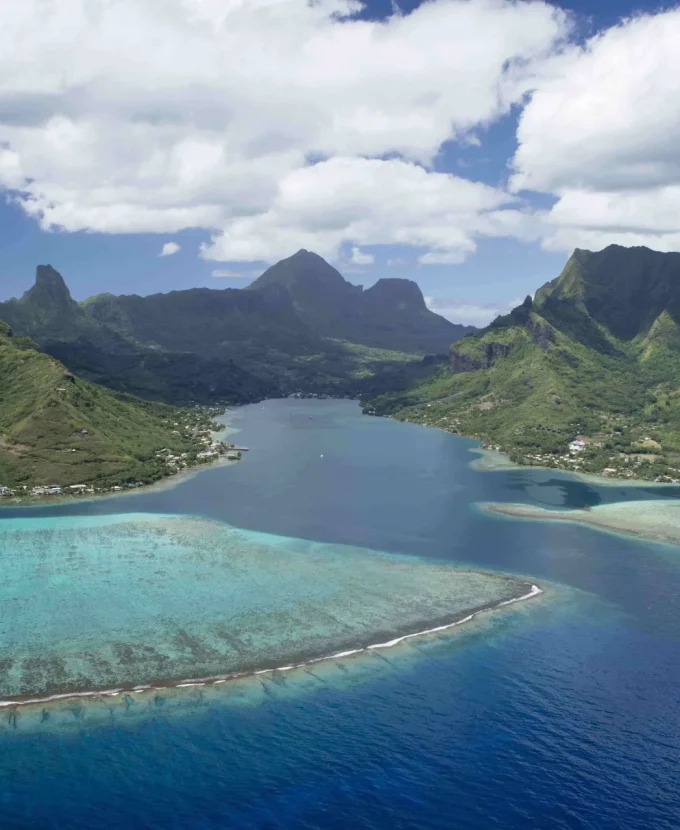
{"x":577,"y":446}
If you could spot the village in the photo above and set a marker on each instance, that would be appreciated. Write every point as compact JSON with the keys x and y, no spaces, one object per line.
{"x":169,"y":463}
{"x":618,"y":449}
{"x":620,"y":465}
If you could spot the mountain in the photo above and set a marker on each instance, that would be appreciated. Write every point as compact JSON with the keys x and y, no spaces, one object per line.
{"x":390,"y":315}
{"x":98,"y":352}
{"x":58,"y":429}
{"x":300,"y":327}
{"x":595,"y":356}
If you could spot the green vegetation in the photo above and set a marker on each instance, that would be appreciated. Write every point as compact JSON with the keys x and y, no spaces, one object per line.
{"x":368,"y":360}
{"x":56,"y":429}
{"x":299,"y":327}
{"x":595,"y":357}
{"x":101,"y":354}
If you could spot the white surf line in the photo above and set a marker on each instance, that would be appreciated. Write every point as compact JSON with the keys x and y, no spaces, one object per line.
{"x":223,"y":678}
{"x":65,"y":696}
{"x":535,"y":591}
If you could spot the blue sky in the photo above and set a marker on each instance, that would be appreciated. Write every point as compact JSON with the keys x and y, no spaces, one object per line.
{"x":478,"y":201}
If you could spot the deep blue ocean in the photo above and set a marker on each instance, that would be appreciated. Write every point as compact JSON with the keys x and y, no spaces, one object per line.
{"x":565,"y":715}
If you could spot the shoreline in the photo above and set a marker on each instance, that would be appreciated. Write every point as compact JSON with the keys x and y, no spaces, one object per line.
{"x":460,"y":619}
{"x":655,"y":520}
{"x":165,"y":483}
{"x":491,"y":461}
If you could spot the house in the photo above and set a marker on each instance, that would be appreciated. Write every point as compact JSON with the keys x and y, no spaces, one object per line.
{"x":5,"y":491}
{"x":577,"y":446}
{"x":207,"y":454}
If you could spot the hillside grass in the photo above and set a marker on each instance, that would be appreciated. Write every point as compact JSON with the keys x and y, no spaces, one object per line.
{"x":58,"y":429}
{"x":532,"y":403}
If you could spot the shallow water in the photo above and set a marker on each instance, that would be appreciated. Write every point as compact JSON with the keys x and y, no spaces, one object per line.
{"x":102,"y":602}
{"x":560,"y":715}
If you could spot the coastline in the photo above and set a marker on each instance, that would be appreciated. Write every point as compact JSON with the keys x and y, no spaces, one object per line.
{"x":441,"y":626}
{"x":489,"y":461}
{"x":166,"y":483}
{"x":657,"y":520}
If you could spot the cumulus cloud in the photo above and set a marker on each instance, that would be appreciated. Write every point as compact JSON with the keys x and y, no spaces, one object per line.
{"x":370,"y":201}
{"x":602,"y":134}
{"x":159,"y":115}
{"x":359,"y":257}
{"x":169,"y":249}
{"x":470,"y":313}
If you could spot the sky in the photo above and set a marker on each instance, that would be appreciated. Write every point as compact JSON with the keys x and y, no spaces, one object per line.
{"x":471,"y":145}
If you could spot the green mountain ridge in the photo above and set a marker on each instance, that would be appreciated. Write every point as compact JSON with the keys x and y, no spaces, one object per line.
{"x":595,"y":355}
{"x":300,"y":327}
{"x":56,"y":428}
{"x":99,"y":353}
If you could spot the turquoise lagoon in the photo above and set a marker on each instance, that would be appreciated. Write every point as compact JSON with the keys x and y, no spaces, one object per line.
{"x":94,"y":603}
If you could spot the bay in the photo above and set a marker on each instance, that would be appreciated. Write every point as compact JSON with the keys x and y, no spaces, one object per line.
{"x":561,"y":715}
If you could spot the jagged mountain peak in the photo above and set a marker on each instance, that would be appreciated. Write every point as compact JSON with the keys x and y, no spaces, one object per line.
{"x":49,"y":289}
{"x":622,"y":289}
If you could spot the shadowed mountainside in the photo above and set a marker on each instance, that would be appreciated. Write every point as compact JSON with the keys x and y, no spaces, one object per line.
{"x":390,"y":315}
{"x":299,"y":327}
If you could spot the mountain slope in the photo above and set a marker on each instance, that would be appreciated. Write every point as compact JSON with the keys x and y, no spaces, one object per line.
{"x":58,"y":429}
{"x":391,"y":314}
{"x":596,"y":355}
{"x":299,"y":327}
{"x":98,"y":352}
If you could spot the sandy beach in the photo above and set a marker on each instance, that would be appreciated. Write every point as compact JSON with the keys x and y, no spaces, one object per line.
{"x":657,"y":520}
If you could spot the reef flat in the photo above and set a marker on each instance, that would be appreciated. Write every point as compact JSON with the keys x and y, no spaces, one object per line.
{"x":656,"y":519}
{"x":105,"y":603}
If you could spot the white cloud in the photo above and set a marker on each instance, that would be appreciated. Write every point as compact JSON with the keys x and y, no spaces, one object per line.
{"x":228,"y":273}
{"x":158,"y":115}
{"x":396,"y":262}
{"x":602,"y":133}
{"x":358,"y":257}
{"x":169,"y":249}
{"x":370,"y":201}
{"x":470,"y":313}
